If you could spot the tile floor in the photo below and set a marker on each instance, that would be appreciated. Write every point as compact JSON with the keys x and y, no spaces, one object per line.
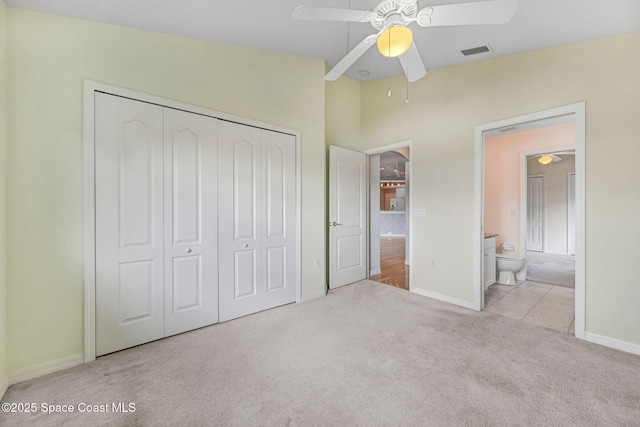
{"x":542,"y":304}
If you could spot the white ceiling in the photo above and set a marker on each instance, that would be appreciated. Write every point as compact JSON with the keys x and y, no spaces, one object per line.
{"x":267,"y":24}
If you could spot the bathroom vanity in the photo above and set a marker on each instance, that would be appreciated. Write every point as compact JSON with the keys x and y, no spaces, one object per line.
{"x":489,"y":259}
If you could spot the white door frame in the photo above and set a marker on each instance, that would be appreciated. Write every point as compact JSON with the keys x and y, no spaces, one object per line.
{"x":378,"y":150}
{"x":571,"y":216}
{"x":478,"y":229}
{"x":90,"y":87}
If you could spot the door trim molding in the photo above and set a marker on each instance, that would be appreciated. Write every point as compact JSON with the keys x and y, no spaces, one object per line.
{"x":571,"y":217}
{"x":578,"y":110}
{"x":89,"y":89}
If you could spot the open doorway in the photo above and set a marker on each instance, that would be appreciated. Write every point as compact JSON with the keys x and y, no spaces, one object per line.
{"x":550,"y":237}
{"x":389,"y":215}
{"x":504,"y":227}
{"x":354,"y":214}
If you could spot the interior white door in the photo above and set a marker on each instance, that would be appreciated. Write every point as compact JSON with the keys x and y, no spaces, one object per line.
{"x":571,"y":213}
{"x":535,"y":213}
{"x":347,"y":216}
{"x":129,"y":220}
{"x":238,"y":168}
{"x":257,"y":229}
{"x":190,"y":221}
{"x":278,"y":192}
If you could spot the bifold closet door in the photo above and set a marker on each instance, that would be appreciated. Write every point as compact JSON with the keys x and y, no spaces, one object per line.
{"x":129,"y":223}
{"x":191,"y":223}
{"x":257,"y":222}
{"x":156,"y":222}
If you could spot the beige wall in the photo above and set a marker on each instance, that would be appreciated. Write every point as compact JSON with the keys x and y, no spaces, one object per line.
{"x":343,"y":113}
{"x":49,"y":57}
{"x":3,"y":197}
{"x":502,"y":178}
{"x":556,"y":177}
{"x":447,"y":104}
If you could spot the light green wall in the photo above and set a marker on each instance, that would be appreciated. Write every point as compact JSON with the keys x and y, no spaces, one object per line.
{"x":342,"y":112}
{"x":3,"y":196}
{"x":447,"y":104}
{"x":49,"y":56}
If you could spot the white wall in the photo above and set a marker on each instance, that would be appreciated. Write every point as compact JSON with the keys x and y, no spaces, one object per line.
{"x":502,"y":196}
{"x":447,"y":104}
{"x":555,"y":176}
{"x":49,"y":57}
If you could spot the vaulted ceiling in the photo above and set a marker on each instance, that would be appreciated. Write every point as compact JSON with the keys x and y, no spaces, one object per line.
{"x":268,"y":25}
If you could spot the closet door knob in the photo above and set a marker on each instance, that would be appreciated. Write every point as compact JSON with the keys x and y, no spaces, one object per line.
{"x":246,"y":245}
{"x":188,"y":250}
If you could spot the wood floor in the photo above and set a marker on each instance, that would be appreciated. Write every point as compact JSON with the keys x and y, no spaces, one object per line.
{"x":394,"y":271}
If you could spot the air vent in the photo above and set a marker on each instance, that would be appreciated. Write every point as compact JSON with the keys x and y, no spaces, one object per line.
{"x":476,"y":50}
{"x":509,"y":129}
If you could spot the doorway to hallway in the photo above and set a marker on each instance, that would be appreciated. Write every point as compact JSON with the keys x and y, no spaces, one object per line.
{"x":389,"y":215}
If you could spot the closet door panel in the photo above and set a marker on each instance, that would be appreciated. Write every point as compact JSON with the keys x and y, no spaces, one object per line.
{"x":190,"y":234}
{"x":279,"y":221}
{"x":239,"y":172}
{"x":129,"y":220}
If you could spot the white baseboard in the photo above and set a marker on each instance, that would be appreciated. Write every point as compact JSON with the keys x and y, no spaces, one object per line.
{"x":445,"y":298}
{"x":42,"y":369}
{"x":312,"y":296}
{"x":375,"y":272}
{"x":4,"y":385}
{"x":612,"y":342}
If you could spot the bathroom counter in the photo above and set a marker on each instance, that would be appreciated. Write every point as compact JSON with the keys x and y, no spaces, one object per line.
{"x":490,"y":235}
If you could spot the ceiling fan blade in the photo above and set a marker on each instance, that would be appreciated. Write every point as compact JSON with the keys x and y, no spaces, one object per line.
{"x":476,"y":13}
{"x":412,"y":64}
{"x":331,"y":14}
{"x":351,"y":57}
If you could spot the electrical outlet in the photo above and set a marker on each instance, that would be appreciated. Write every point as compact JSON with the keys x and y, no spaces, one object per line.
{"x":316,"y":264}
{"x":433,"y":265}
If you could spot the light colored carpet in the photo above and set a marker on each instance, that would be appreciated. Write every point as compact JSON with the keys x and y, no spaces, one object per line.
{"x":553,"y":269}
{"x":367,"y":354}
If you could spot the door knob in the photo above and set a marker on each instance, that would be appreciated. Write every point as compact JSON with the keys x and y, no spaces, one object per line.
{"x":334,"y":224}
{"x":246,"y":245}
{"x":188,"y":250}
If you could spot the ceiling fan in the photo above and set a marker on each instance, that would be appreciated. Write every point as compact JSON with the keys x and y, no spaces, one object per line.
{"x":391,"y":19}
{"x":547,"y":158}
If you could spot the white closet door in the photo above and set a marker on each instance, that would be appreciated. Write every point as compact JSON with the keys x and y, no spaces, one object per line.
{"x":129,"y":222}
{"x":279,"y":219}
{"x":190,"y":218}
{"x":239,"y":210}
{"x":257,"y":219}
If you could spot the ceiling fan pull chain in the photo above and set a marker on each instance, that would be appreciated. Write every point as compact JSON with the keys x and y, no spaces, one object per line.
{"x":406,"y":100}
{"x":389,"y":79}
{"x":348,"y":30}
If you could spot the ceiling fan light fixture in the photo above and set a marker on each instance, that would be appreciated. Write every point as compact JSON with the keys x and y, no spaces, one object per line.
{"x":545,"y":160}
{"x":394,"y":41}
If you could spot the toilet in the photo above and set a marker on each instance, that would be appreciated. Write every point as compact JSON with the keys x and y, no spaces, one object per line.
{"x":507,"y":267}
